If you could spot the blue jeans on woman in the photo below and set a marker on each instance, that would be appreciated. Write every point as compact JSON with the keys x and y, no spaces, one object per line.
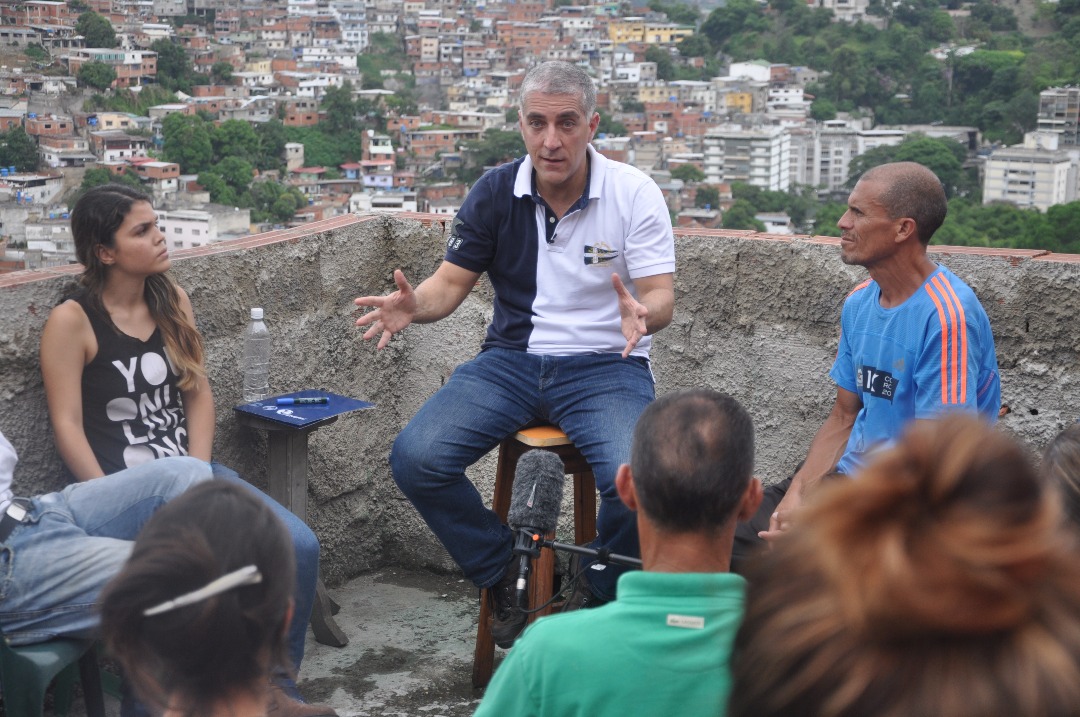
{"x":306,"y":547}
{"x":54,"y":566}
{"x":594,"y":398}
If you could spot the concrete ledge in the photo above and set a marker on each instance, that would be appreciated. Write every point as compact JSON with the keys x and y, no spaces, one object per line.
{"x":756,"y":316}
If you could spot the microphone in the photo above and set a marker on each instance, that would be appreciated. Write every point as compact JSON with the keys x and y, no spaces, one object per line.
{"x":535,"y":501}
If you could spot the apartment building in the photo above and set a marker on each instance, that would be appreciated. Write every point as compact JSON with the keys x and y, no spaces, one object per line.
{"x":133,"y":67}
{"x":1059,"y":111}
{"x":760,"y":156}
{"x":1035,"y":174}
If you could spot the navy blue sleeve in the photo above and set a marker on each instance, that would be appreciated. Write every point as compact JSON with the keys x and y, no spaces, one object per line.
{"x":473,"y":240}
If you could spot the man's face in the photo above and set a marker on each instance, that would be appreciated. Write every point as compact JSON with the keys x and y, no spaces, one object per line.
{"x":867,"y":234}
{"x":556,"y":133}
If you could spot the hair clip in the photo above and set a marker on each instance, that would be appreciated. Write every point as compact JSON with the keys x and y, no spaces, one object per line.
{"x":247,"y":575}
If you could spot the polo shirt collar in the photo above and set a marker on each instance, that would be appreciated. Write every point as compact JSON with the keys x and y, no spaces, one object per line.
{"x":523,"y":182}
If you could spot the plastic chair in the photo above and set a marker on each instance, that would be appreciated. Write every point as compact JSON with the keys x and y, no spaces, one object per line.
{"x":27,"y":671}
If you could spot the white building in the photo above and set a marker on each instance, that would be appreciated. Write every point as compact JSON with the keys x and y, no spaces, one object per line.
{"x":1035,"y":174}
{"x":188,"y":228}
{"x":382,"y":202}
{"x":759,"y":156}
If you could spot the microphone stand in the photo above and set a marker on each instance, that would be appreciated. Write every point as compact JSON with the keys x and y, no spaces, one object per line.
{"x":603,"y":556}
{"x":528,"y":543}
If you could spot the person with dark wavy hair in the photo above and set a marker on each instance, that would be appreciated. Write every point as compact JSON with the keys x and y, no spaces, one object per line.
{"x":937,"y":583}
{"x":197,"y":618}
{"x":122,"y":363}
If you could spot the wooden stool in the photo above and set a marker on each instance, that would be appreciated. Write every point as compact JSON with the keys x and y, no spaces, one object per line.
{"x":542,"y":575}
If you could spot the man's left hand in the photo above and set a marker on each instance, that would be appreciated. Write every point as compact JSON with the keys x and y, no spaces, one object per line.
{"x":633,"y":314}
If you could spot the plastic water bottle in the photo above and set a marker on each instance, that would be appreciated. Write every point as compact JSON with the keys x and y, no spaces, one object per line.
{"x":256,"y":360}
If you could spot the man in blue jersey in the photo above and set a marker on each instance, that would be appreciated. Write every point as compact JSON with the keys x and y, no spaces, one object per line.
{"x":914,"y":340}
{"x":580,"y":252}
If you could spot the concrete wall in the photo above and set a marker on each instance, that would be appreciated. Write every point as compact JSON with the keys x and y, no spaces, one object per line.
{"x":756,"y":316}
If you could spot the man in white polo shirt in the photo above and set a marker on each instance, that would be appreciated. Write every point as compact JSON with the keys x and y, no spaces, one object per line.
{"x":580,"y":252}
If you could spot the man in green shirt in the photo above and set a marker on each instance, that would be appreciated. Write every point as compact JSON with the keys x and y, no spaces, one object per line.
{"x":663,"y":646}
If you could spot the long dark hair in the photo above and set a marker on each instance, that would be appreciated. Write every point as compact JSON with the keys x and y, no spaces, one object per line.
{"x":95,"y":219}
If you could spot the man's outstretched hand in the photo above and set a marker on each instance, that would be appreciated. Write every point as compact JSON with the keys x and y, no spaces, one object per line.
{"x":390,"y":313}
{"x":633,"y":314}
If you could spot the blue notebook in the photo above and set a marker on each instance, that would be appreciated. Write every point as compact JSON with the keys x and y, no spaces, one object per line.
{"x":301,"y":415}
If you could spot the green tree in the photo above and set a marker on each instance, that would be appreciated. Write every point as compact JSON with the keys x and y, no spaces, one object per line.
{"x":37,"y":53}
{"x":688,"y":173}
{"x":174,"y":68}
{"x":665,"y":68}
{"x":96,"y":30}
{"x":97,"y":75}
{"x":271,"y":201}
{"x":1064,"y":223}
{"x":735,"y":18}
{"x":944,"y":157}
{"x":822,"y":109}
{"x":609,"y":126}
{"x":235,"y":139}
{"x":340,"y":109}
{"x":272,"y":139}
{"x":677,"y":12}
{"x":495,"y":147}
{"x":236,"y":172}
{"x":18,"y":149}
{"x":99,"y":175}
{"x":741,"y":216}
{"x":221,"y":72}
{"x":696,"y":45}
{"x":707,"y":196}
{"x":828,"y":214}
{"x":187,"y":142}
{"x":220,"y":191}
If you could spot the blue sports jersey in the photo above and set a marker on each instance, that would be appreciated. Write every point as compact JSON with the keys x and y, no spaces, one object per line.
{"x":552,"y":277}
{"x":933,"y":353}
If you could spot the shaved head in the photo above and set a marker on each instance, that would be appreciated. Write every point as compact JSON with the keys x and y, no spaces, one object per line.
{"x":910,"y":190}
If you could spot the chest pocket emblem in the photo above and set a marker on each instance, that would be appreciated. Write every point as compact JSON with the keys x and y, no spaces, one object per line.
{"x":599,"y":254}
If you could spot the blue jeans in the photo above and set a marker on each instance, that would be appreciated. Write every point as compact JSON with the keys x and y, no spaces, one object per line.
{"x":54,"y":566}
{"x":306,"y":547}
{"x":594,"y":398}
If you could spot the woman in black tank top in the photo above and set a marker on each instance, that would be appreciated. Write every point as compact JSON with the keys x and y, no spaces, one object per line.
{"x":122,"y":364}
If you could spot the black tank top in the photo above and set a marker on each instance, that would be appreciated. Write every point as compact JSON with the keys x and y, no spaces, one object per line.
{"x":132,"y":412}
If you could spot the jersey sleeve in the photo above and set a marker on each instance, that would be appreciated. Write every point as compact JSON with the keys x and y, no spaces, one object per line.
{"x":843,"y":370}
{"x":472,"y":240}
{"x":650,"y":244}
{"x":947,"y":369}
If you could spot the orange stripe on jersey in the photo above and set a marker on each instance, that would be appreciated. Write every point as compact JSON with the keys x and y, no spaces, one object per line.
{"x":944,"y":343}
{"x":858,"y":287}
{"x":963,"y":338}
{"x":953,"y":340}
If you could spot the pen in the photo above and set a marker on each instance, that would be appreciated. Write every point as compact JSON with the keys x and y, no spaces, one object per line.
{"x":304,"y":401}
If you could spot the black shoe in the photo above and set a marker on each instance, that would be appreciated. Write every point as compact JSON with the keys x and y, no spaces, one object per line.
{"x":582,"y":596}
{"x":508,"y":616}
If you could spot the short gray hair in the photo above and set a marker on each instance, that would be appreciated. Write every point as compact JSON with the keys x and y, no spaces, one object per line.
{"x":559,"y":78}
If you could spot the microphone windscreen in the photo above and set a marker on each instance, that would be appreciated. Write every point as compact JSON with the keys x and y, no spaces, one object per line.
{"x":536,"y":498}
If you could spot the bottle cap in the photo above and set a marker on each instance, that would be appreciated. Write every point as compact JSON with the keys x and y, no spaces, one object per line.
{"x":256,"y":314}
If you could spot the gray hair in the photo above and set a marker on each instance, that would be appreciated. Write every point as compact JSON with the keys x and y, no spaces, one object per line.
{"x":559,"y":78}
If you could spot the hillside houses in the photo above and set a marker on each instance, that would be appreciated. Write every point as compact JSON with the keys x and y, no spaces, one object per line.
{"x":464,"y":63}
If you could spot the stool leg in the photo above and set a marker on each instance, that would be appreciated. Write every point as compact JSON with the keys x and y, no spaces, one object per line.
{"x":584,"y":507}
{"x":542,"y":581}
{"x":484,"y":652}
